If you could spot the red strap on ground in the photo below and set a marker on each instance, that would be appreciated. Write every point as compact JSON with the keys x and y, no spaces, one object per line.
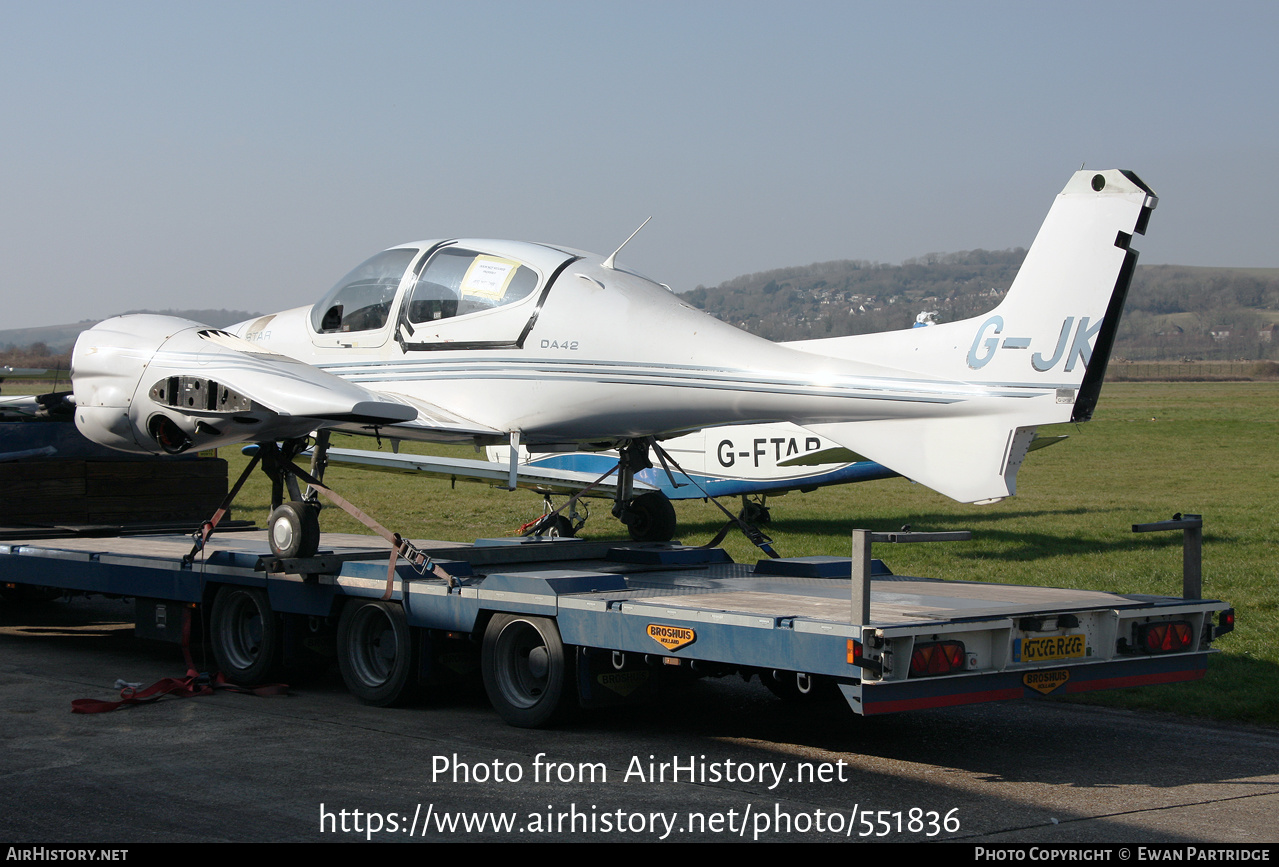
{"x":180,"y":687}
{"x":193,"y":684}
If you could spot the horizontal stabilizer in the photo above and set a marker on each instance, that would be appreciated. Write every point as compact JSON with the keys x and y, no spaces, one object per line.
{"x":972,"y":459}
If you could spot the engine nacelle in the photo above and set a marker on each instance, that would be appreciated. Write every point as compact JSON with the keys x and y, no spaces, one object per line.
{"x":138,"y":389}
{"x":163,"y":385}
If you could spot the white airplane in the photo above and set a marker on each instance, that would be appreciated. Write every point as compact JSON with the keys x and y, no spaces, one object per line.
{"x":531,"y":344}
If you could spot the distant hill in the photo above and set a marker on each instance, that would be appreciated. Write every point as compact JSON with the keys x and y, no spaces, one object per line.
{"x":1172,"y":311}
{"x":60,"y":338}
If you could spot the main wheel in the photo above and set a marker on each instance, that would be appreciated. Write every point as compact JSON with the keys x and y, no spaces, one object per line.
{"x":559,"y":527}
{"x":754,"y":513}
{"x":650,"y":517}
{"x":294,"y":529}
{"x":378,"y":653}
{"x":247,"y":641}
{"x":528,"y":672}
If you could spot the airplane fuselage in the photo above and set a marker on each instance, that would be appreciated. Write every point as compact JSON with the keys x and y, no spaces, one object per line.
{"x":600,"y":354}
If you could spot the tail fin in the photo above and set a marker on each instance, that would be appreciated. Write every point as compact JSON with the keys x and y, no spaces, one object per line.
{"x":1037,"y":358}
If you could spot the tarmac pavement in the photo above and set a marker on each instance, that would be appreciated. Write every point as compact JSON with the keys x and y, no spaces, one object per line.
{"x":721,"y":760}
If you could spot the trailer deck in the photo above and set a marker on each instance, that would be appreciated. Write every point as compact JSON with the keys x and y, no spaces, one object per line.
{"x":608,"y":620}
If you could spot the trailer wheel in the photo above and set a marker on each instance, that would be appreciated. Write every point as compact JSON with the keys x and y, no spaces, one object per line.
{"x":651,"y":517}
{"x":246,"y":636}
{"x":378,"y":653}
{"x":528,"y":672}
{"x":294,"y":529}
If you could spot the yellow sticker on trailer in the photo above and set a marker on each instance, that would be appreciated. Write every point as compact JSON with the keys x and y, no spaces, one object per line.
{"x":671,"y":637}
{"x":1051,"y":647}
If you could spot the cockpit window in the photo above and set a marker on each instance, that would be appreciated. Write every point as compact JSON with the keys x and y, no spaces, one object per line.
{"x":456,"y":282}
{"x":361,"y":301}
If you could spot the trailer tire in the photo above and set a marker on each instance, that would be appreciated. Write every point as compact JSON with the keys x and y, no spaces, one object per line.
{"x":651,"y":517}
{"x":246,"y":635}
{"x":294,"y":529}
{"x":378,"y":653}
{"x":529,"y":674}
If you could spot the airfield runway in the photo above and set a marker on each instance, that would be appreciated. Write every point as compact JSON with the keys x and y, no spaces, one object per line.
{"x":721,"y":761}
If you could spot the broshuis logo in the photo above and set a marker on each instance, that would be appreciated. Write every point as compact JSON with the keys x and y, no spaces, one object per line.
{"x":671,"y":637}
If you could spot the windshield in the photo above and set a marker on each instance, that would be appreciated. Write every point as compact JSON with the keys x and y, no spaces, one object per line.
{"x":361,"y":301}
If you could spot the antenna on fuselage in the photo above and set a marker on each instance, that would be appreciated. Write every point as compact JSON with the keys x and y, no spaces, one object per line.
{"x":609,"y":263}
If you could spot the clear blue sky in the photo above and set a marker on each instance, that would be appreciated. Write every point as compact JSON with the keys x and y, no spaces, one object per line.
{"x":246,"y":155}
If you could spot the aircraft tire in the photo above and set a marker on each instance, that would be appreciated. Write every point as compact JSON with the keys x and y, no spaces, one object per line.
{"x":378,"y":653}
{"x":558,"y":527}
{"x":529,"y":674}
{"x":755,"y":514}
{"x":651,"y":518}
{"x":246,"y":636}
{"x":294,"y":530}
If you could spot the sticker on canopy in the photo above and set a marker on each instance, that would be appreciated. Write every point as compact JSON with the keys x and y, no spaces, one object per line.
{"x":488,"y":277}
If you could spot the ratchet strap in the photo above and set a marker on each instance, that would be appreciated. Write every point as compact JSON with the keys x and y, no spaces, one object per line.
{"x":206,"y":530}
{"x":757,"y":537}
{"x":400,"y":547}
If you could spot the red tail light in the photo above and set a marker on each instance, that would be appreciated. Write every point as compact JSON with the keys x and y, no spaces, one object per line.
{"x":1165,"y":637}
{"x":1225,"y":623}
{"x":937,"y":657}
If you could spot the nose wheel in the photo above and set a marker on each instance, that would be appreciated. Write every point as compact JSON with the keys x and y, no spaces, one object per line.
{"x":294,"y":529}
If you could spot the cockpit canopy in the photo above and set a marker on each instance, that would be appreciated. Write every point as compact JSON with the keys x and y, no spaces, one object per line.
{"x":449,"y":280}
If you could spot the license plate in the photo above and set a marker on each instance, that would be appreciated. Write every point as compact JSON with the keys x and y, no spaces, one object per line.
{"x":1052,"y":647}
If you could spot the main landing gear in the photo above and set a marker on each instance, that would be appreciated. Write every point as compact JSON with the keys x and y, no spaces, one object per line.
{"x":649,"y":517}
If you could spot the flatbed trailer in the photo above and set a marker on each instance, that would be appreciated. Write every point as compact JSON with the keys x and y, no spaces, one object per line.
{"x":553,"y":624}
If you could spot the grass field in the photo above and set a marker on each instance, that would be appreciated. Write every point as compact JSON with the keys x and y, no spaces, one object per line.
{"x":1152,"y":450}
